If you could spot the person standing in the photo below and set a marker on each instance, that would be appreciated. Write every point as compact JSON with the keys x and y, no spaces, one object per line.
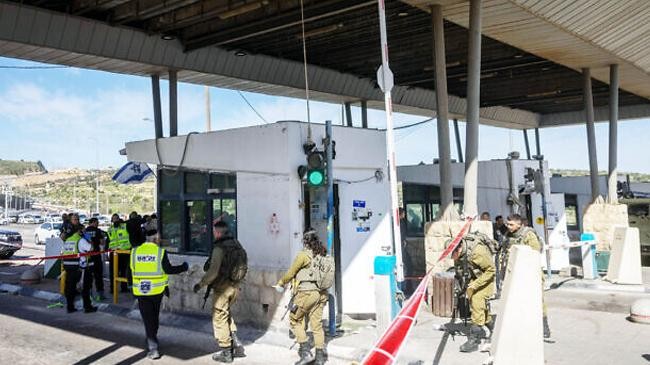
{"x":309,"y":300}
{"x":135,"y":229}
{"x":70,"y":227}
{"x":77,"y":268}
{"x":519,"y":234}
{"x":118,"y":239}
{"x":225,"y":270}
{"x":473,"y":259}
{"x":98,"y":239}
{"x":150,"y":267}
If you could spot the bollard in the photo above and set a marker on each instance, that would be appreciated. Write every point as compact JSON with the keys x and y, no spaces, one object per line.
{"x":589,"y":267}
{"x":385,"y":291}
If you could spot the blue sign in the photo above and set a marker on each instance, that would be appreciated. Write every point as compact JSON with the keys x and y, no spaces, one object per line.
{"x":359,"y":203}
{"x":363,"y":229}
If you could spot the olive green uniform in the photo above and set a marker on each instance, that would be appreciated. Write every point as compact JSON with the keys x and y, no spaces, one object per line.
{"x":527,"y":236}
{"x":309,"y":301}
{"x":482,"y":283}
{"x":224,"y":296}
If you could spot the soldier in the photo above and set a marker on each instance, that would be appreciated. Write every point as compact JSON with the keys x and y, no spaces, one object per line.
{"x":226,"y":268}
{"x":518,"y":234}
{"x":473,"y":259}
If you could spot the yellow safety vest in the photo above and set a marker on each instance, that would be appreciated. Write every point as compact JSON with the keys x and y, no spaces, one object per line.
{"x":146,"y":266}
{"x":71,"y":247}
{"x":119,"y":238}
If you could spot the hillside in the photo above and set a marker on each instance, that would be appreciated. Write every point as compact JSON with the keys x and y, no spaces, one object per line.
{"x":76,"y":189}
{"x":9,"y":167}
{"x":634,"y":177}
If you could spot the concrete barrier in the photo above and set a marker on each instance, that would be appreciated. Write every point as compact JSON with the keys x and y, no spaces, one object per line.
{"x":625,"y":260}
{"x":517,"y":337}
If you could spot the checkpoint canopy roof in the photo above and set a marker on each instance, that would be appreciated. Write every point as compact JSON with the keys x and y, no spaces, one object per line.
{"x":532,"y":50}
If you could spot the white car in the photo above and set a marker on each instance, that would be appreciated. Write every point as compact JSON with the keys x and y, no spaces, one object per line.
{"x":38,"y":219}
{"x":45,"y":231}
{"x":24,"y":219}
{"x":4,"y":220}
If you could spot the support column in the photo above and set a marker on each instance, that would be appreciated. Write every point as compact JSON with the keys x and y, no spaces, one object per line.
{"x":173,"y":104}
{"x":612,"y":196}
{"x":527,"y":144}
{"x":442,"y":107}
{"x":591,"y":134}
{"x":157,"y":113}
{"x":364,"y":114}
{"x":348,"y":114}
{"x":459,"y":146}
{"x":538,"y":147}
{"x":473,"y":103}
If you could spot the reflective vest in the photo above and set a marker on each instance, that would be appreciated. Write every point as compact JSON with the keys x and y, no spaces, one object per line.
{"x":71,"y":247}
{"x":119,"y":238}
{"x":146,"y":267}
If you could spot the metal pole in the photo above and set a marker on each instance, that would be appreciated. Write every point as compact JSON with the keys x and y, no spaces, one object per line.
{"x":459,"y":146}
{"x":591,"y":134}
{"x":330,"y":221}
{"x":473,"y":104}
{"x":208,"y":121}
{"x":544,"y":215}
{"x":537,"y":143}
{"x":157,"y":114}
{"x":527,"y":144}
{"x":348,"y":114}
{"x":97,"y":191}
{"x":173,"y":103}
{"x":364,"y":114}
{"x":386,"y":77}
{"x":442,"y":108}
{"x":6,"y":192}
{"x":613,"y":134}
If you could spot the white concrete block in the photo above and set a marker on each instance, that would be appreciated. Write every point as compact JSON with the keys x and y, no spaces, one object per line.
{"x":270,"y":277}
{"x":625,"y":259}
{"x":255,"y":277}
{"x":268,"y":296}
{"x":517,"y":338}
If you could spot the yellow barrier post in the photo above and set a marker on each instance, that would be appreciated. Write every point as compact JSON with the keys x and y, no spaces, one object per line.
{"x":116,"y":278}
{"x":62,"y":280}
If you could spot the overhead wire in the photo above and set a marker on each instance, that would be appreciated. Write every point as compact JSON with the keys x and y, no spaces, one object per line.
{"x":252,"y":107}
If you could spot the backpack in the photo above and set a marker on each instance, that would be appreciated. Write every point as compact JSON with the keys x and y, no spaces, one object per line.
{"x":477,"y":238}
{"x":324,"y":268}
{"x":234,"y":265}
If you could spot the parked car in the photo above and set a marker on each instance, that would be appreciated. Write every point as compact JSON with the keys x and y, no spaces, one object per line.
{"x":83,"y":219}
{"x":55,"y":219}
{"x":25,"y":219}
{"x":104,"y":220}
{"x":45,"y":231}
{"x":38,"y":219}
{"x":4,"y":221}
{"x":10,"y":242}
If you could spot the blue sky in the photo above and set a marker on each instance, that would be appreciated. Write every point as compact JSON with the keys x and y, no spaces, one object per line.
{"x":69,"y":117}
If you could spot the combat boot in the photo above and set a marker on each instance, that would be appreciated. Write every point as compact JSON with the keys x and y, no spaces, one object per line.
{"x":305,"y":355}
{"x":490,"y":327}
{"x":223,"y":355}
{"x":547,"y":329}
{"x":237,"y":346}
{"x":473,"y":339}
{"x":320,"y":357}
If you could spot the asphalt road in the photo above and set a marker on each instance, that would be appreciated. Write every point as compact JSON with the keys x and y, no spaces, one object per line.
{"x":32,"y":334}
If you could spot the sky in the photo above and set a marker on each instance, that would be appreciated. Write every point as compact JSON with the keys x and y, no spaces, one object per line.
{"x":69,"y":117}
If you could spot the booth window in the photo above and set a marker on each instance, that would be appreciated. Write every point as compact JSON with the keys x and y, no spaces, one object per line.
{"x":189,"y":201}
{"x":571,"y":212}
{"x":415,"y":219}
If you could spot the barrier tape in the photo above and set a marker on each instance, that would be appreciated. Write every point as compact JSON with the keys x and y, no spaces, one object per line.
{"x":571,"y":245}
{"x":75,"y":256}
{"x":386,"y":350}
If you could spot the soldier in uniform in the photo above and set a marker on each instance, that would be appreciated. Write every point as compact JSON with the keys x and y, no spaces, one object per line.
{"x":475,"y":254}
{"x":308,"y":301}
{"x":518,"y":234}
{"x":223,"y":275}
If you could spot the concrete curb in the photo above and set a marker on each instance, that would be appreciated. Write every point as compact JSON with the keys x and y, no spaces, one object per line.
{"x":273,"y":336}
{"x":602,"y":287}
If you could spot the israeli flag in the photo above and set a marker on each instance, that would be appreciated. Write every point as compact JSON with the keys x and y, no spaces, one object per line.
{"x":132,"y":173}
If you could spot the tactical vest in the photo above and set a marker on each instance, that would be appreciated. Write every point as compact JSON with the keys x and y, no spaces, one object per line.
{"x":306,"y":277}
{"x":71,"y":247}
{"x":518,"y":239}
{"x":472,"y":240}
{"x":119,"y":238}
{"x":149,"y":278}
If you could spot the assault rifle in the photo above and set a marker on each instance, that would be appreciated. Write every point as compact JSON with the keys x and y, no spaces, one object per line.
{"x":463,"y":277}
{"x":206,"y":296}
{"x":501,"y":262}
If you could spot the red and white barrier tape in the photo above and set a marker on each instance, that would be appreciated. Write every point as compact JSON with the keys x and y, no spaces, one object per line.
{"x":571,"y":245}
{"x":75,"y":256}
{"x":386,"y":350}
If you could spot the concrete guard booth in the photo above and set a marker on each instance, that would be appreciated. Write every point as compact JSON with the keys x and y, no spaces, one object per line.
{"x":248,"y":176}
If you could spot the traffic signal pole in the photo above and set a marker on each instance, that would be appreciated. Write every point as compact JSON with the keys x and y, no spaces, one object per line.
{"x":330,"y":223}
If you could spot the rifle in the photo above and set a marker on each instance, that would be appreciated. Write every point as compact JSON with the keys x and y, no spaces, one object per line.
{"x":290,"y":306}
{"x":501,"y":263}
{"x":206,"y":296}
{"x":463,"y":281}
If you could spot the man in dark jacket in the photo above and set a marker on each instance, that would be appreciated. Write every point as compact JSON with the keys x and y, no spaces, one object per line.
{"x":134,"y":227}
{"x":97,"y":238}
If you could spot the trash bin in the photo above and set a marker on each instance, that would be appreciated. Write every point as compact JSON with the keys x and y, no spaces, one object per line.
{"x":602,"y":261}
{"x":443,"y":296}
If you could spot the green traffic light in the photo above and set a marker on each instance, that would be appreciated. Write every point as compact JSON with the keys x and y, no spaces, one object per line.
{"x":315,"y":177}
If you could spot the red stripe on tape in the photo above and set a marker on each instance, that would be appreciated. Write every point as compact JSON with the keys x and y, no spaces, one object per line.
{"x":62,"y":256}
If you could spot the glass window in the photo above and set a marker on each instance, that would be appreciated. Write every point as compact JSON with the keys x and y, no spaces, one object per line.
{"x":45,"y":226}
{"x":197,"y":226}
{"x":217,"y":181}
{"x":56,"y":226}
{"x":195,"y":183}
{"x":415,"y":219}
{"x":226,"y":210}
{"x":571,"y":211}
{"x":170,"y":214}
{"x":170,"y":184}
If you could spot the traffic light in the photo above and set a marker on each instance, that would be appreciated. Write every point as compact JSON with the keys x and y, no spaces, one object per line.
{"x":315,"y":172}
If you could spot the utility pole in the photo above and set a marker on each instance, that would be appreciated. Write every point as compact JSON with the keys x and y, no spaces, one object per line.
{"x":97,"y":191}
{"x":5,"y":191}
{"x":208,"y":122}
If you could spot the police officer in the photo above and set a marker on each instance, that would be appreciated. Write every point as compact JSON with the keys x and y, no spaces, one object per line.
{"x":518,"y":234}
{"x":77,"y":268}
{"x":98,"y":239}
{"x":219,"y":278}
{"x":70,"y":227}
{"x":308,"y":301}
{"x":150,"y":267}
{"x":118,"y":239}
{"x":475,"y":255}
